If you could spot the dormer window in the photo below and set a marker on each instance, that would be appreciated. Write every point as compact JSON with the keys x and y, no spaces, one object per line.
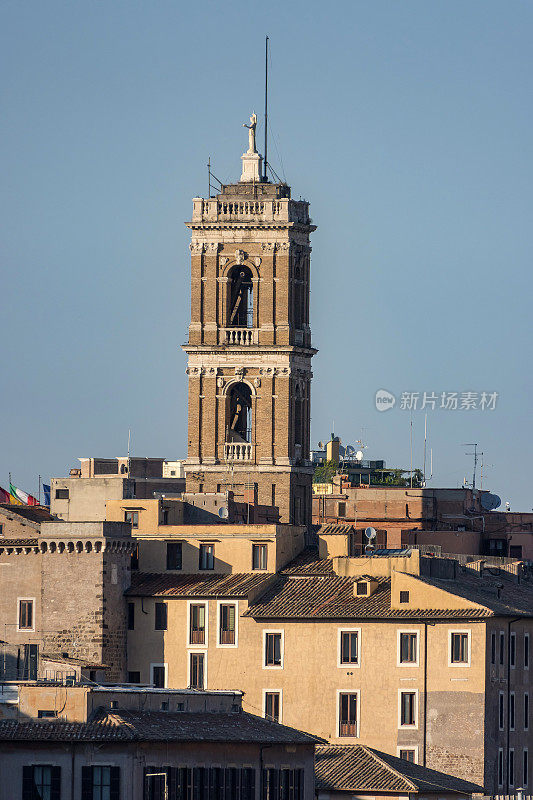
{"x":362,"y":588}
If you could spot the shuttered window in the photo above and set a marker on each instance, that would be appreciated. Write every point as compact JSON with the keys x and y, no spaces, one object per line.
{"x":41,"y":782}
{"x":100,"y":782}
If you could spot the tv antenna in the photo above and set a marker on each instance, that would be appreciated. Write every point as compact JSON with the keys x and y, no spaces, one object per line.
{"x":476,"y":457}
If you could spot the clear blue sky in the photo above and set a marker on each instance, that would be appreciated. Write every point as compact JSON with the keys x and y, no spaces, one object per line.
{"x":406,"y":124}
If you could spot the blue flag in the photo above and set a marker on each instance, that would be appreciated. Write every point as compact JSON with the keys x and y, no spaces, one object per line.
{"x":46,"y":491}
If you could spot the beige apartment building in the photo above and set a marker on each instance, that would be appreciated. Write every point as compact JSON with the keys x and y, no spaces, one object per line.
{"x":416,"y":657}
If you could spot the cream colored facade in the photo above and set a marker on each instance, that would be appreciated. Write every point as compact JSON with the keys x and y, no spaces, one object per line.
{"x":455,"y":705}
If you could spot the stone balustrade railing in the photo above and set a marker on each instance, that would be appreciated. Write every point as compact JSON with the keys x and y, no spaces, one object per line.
{"x":237,"y":451}
{"x":240,"y":336}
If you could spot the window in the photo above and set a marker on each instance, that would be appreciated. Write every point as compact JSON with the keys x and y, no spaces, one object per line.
{"x":100,"y":783}
{"x":207,"y":556}
{"x":282,"y":783}
{"x":502,"y":647}
{"x":408,"y":754}
{"x":134,"y":677}
{"x":526,"y":711}
{"x":158,"y":675}
{"x":41,"y":782}
{"x":493,"y":648}
{"x":512,"y":650}
{"x":259,"y":556}
{"x":361,"y":588}
{"x":404,"y":596}
{"x":135,"y":558}
{"x":272,"y":706}
{"x":131,"y":616}
{"x":25,"y":621}
{"x":501,"y":711}
{"x":46,"y":714}
{"x":500,"y":767}
{"x":227,"y":627}
{"x":512,"y":711}
{"x":525,"y":767}
{"x":273,"y":649}
{"x":526,"y":650}
{"x":459,"y":649}
{"x":197,"y":671}
{"x":132,"y":517}
{"x":197,"y":623}
{"x":408,"y":709}
{"x":510,"y":766}
{"x":174,"y":555}
{"x":408,"y":647}
{"x":160,"y":616}
{"x":349,"y":648}
{"x":62,"y":494}
{"x":342,"y":509}
{"x":348,"y":703}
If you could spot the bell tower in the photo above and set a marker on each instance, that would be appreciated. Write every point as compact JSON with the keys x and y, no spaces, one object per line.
{"x":249,"y":349}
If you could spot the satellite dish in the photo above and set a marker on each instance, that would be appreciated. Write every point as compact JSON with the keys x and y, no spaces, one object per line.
{"x":359,"y":455}
{"x":223,"y":512}
{"x":490,"y":501}
{"x":350,"y":450}
{"x":370,"y":534}
{"x":321,"y":445}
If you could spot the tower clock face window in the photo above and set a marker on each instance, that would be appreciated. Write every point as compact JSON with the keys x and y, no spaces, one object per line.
{"x":240,"y":413}
{"x":241,"y":298}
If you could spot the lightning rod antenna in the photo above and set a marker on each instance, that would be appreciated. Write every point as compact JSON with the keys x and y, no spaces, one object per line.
{"x":265,"y":173}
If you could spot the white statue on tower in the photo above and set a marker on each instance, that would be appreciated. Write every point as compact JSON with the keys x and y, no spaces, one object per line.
{"x":251,"y":133}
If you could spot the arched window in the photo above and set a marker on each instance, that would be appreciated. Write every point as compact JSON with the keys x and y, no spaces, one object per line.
{"x":239,"y":413}
{"x":241,"y":299}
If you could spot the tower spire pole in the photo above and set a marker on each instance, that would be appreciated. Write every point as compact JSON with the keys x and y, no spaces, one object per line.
{"x":266,"y":110}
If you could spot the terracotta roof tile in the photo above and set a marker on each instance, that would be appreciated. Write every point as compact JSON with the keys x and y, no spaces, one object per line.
{"x":332,"y":597}
{"x":358,"y":768}
{"x":153,"y":726}
{"x":144,"y":584}
{"x":21,"y":542}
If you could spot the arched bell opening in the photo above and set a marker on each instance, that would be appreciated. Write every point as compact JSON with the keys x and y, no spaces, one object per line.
{"x":239,"y":409}
{"x":240,"y":298}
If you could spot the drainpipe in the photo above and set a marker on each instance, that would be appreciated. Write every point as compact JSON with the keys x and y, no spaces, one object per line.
{"x":506,"y":761}
{"x":425,"y":731}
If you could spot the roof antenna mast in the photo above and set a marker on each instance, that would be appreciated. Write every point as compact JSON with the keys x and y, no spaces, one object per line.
{"x":265,"y":174}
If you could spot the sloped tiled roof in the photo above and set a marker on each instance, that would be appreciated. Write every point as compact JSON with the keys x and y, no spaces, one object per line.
{"x":154,"y":726}
{"x":31,"y":513}
{"x":309,"y":563}
{"x":332,"y":597}
{"x":146,"y":584}
{"x":516,"y":599}
{"x":358,"y":768}
{"x":21,"y":542}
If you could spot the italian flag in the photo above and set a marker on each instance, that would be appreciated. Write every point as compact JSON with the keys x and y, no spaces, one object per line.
{"x":22,"y":497}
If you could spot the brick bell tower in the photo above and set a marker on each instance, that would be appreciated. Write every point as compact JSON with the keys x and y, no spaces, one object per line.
{"x":249,"y":349}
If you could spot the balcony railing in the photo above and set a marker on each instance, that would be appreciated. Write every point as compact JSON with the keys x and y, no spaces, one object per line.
{"x":227,"y":637}
{"x":197,"y":637}
{"x":348,"y":729}
{"x":240,"y":336}
{"x":237,"y":451}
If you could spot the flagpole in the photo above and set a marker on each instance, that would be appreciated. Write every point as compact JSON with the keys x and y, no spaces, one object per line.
{"x":39,"y":490}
